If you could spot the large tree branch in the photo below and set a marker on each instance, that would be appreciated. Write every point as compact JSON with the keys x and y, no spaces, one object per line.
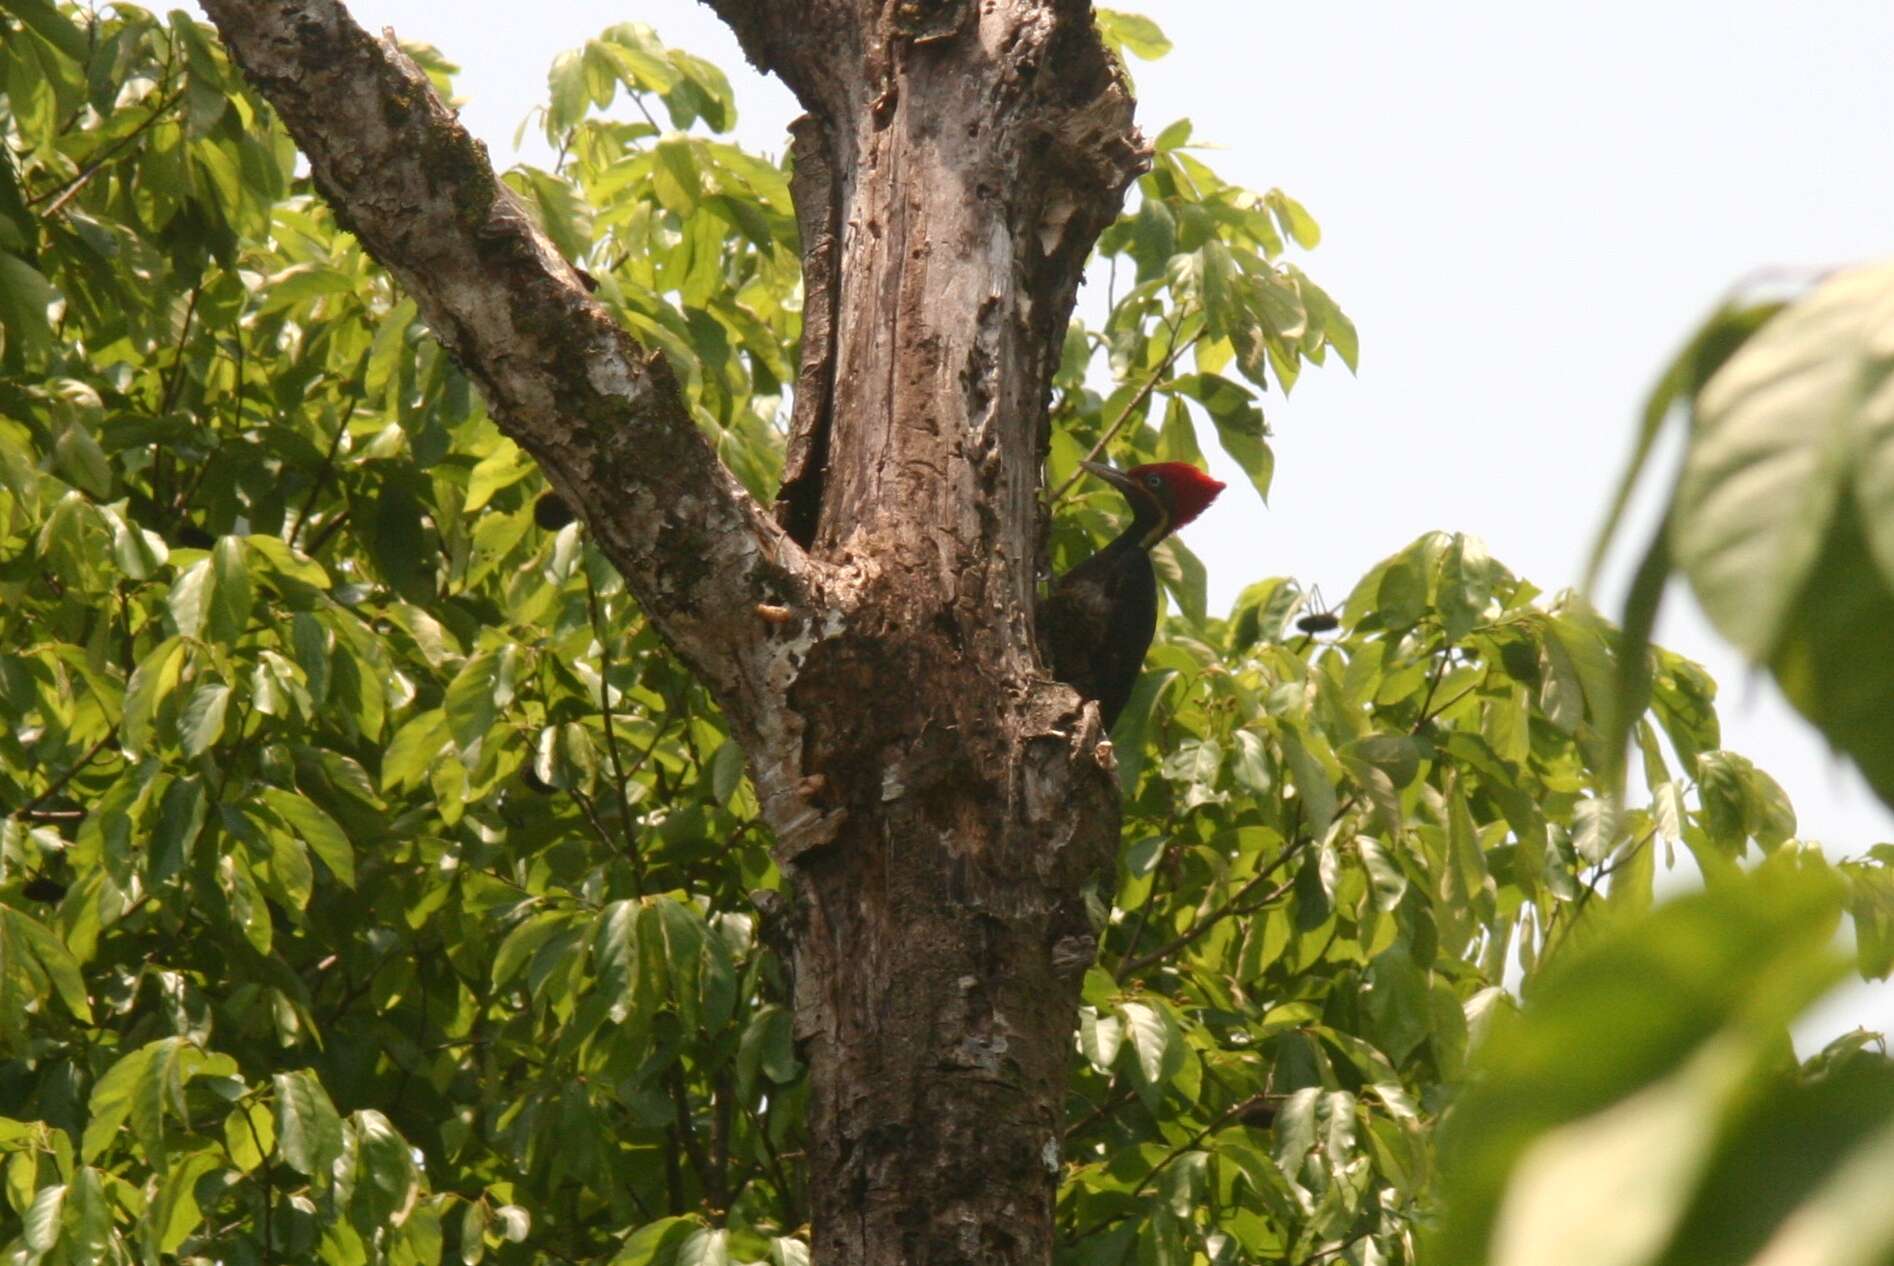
{"x":604,"y":417}
{"x":813,"y":46}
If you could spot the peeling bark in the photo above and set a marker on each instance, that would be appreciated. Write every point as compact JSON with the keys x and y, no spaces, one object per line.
{"x":939,"y":804}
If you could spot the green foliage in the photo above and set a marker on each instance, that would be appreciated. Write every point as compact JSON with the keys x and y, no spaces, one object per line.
{"x":352,"y":819}
{"x":373,"y":887}
{"x":1353,"y":857}
{"x":1695,"y":1138}
{"x":1783,"y":514}
{"x":1203,"y":273}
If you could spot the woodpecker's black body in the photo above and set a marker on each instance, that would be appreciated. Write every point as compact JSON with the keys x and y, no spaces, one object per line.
{"x":1097,"y":623}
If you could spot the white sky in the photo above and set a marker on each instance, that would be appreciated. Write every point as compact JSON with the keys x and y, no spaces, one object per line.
{"x":1524,"y":208}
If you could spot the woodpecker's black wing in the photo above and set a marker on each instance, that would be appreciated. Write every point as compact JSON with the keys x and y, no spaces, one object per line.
{"x":1097,"y":623}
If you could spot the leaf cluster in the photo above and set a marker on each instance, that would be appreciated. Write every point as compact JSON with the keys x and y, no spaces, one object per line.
{"x":374,"y":887}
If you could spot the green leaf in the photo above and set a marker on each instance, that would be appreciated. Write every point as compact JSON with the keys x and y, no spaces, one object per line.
{"x":1100,"y":1037}
{"x":1871,"y":902}
{"x":318,"y":830}
{"x":674,"y":175}
{"x":24,"y":298}
{"x":1591,"y":1121}
{"x":473,"y":701}
{"x":1151,"y":1034}
{"x":1829,"y":655}
{"x":566,"y":81}
{"x":231,"y":592}
{"x":33,"y":952}
{"x":1791,"y":420}
{"x":1313,"y":787}
{"x":111,"y":1101}
{"x":784,"y":1251}
{"x":505,"y":466}
{"x":189,"y":600}
{"x":413,"y":749}
{"x":519,"y":945}
{"x":1132,"y":32}
{"x":49,"y":24}
{"x":202,"y":723}
{"x":1388,"y":882}
{"x":308,"y":1131}
{"x":386,"y":1179}
{"x":151,"y":684}
{"x":1294,"y":218}
{"x":703,"y":1246}
{"x":1714,"y":342}
{"x":767,"y":1047}
{"x":88,"y":1218}
{"x":1185,"y":577}
{"x":473,"y":1230}
{"x":1596,"y":832}
{"x":245,"y":901}
{"x":1798,"y":1177}
{"x":656,"y":1243}
{"x":249,"y":1135}
{"x":175,"y":1213}
{"x":40,"y":1227}
{"x":615,"y":950}
{"x":84,"y":462}
{"x":182,"y":812}
{"x":1295,"y":1129}
{"x":287,"y":564}
{"x":1466,"y":586}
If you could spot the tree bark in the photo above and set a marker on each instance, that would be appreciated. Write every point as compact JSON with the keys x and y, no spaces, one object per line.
{"x":938,"y":802}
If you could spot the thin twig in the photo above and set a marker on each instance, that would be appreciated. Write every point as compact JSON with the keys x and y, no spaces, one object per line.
{"x":591,"y":815}
{"x":1442,"y":709}
{"x":51,"y":815}
{"x":1223,"y":1118}
{"x":637,"y":99}
{"x":91,"y":169}
{"x":1210,"y":920}
{"x":1600,"y":873}
{"x":1112,"y":1101}
{"x":611,"y":733}
{"x":169,"y":396}
{"x":328,"y":530}
{"x":26,"y":810}
{"x":1433,"y":684}
{"x":1144,"y":913}
{"x":1131,"y":406}
{"x":322,"y":476}
{"x":1334,"y":1250}
{"x":707,"y":1180}
{"x":790,"y":1205}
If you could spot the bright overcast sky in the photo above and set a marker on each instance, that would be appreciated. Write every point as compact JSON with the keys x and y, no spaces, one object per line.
{"x":1524,"y":208}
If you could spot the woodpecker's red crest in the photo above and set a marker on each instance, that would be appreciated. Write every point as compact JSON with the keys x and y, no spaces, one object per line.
{"x":1188,"y":491}
{"x":1163,"y":496}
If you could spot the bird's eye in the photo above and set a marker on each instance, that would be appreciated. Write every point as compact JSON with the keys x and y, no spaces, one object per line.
{"x":1153,"y":481}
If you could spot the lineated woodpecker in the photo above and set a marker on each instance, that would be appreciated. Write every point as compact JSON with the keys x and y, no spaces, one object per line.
{"x":1097,"y":622}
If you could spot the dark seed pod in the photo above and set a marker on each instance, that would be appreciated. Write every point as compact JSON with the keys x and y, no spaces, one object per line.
{"x":43,"y":889}
{"x":551,"y":512}
{"x":1319,"y":622}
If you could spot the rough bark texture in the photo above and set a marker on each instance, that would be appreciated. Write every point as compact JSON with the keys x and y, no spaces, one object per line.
{"x":939,"y":803}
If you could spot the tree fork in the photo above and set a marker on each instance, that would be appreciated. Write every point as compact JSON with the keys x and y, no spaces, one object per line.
{"x":938,"y":803}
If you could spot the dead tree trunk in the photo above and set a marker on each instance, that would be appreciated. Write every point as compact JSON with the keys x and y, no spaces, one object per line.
{"x":938,"y":802}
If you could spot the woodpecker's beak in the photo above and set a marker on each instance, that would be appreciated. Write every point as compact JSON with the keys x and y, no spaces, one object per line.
{"x":1116,"y":478}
